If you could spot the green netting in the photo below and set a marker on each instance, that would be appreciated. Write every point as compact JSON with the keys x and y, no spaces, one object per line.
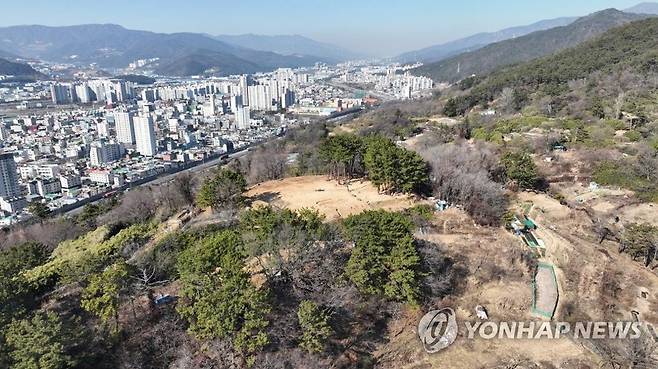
{"x":544,"y":312}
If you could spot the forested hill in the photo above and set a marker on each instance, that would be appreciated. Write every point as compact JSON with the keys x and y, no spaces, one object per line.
{"x":632,"y":48}
{"x":18,"y":69}
{"x":527,"y":47}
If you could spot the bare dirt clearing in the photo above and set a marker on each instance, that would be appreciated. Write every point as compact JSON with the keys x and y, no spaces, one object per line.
{"x":327,"y":196}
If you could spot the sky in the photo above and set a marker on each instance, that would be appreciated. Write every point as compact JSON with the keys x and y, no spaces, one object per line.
{"x":374,"y":27}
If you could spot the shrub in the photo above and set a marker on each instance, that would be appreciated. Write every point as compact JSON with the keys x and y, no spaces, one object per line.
{"x":467,"y":176}
{"x":395,"y":169}
{"x":315,"y":327}
{"x":219,"y":299}
{"x":520,"y":167}
{"x":633,"y":136}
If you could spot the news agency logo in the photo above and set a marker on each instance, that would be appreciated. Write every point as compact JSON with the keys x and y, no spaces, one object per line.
{"x":438,"y":329}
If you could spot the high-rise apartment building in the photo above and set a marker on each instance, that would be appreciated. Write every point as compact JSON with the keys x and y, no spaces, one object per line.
{"x":145,"y":136}
{"x":125,"y":127}
{"x":9,"y":187}
{"x":244,"y":89}
{"x":102,"y":153}
{"x":60,"y":93}
{"x":243,"y":118}
{"x":260,"y":98}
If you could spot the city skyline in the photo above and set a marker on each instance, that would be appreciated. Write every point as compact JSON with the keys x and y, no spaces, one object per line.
{"x":405,"y":27}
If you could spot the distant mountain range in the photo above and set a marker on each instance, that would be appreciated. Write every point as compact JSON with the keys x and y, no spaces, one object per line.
{"x":446,"y":50}
{"x":443,"y":51}
{"x":291,"y":45}
{"x":205,"y":60}
{"x":643,"y":8}
{"x":528,"y":47}
{"x":112,"y":46}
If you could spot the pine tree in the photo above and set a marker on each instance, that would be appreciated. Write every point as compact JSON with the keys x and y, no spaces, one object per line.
{"x":223,"y":190}
{"x":102,"y":295}
{"x":315,"y":327}
{"x":384,"y":260}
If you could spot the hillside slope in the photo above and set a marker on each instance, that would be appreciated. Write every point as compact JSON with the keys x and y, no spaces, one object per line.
{"x":526,"y":48}
{"x":206,"y":61}
{"x":630,"y":47}
{"x":439,"y":52}
{"x":19,"y":70}
{"x":7,"y":55}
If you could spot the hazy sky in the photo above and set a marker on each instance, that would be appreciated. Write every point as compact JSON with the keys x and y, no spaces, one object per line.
{"x":378,"y":27}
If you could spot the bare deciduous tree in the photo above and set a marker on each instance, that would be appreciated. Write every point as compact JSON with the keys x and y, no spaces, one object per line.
{"x":466,"y":176}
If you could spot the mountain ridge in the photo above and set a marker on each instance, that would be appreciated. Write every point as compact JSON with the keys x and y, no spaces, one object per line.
{"x":437,"y":52}
{"x":470,"y":43}
{"x":644,"y":8}
{"x":113,"y":46}
{"x":630,"y":47}
{"x":290,"y":45}
{"x":528,"y":47}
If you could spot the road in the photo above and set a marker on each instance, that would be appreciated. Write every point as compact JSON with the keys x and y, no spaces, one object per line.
{"x":206,"y":164}
{"x":164,"y":178}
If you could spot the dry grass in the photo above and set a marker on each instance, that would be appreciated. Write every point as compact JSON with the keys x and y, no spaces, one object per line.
{"x":595,"y":282}
{"x":330,"y":198}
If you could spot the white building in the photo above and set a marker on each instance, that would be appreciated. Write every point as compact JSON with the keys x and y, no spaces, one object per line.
{"x":13,"y":205}
{"x":209,"y":108}
{"x":84,"y":93}
{"x":145,"y":136}
{"x":39,"y":170}
{"x":243,"y":118}
{"x":235,"y":102}
{"x":125,"y":127}
{"x":173,"y":125}
{"x":48,"y":186}
{"x":68,"y":181}
{"x":103,"y":129}
{"x":101,"y":176}
{"x":260,"y":98}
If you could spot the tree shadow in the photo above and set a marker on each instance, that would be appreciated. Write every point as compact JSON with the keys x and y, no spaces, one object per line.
{"x":267,"y":197}
{"x":443,"y":276}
